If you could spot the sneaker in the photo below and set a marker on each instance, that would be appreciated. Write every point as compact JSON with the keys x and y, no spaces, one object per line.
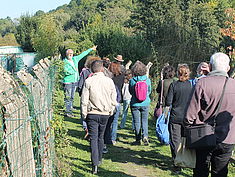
{"x":100,"y":162}
{"x":105,"y":150}
{"x":177,"y":169}
{"x":136,"y":143}
{"x":121,"y":127}
{"x":146,"y":141}
{"x":69,"y":115}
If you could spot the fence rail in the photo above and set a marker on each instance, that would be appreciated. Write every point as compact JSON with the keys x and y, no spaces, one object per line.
{"x":26,"y":138}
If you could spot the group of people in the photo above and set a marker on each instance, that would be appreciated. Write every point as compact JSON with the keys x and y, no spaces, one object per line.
{"x":194,"y":102}
{"x":104,"y":86}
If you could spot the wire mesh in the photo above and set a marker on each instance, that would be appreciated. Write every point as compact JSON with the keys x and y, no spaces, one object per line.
{"x":26,"y":138}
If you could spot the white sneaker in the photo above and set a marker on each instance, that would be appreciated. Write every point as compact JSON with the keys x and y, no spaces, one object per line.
{"x":146,"y":141}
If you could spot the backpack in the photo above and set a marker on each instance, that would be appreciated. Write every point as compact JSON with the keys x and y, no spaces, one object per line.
{"x":141,"y":89}
{"x":85,"y":73}
{"x":162,"y":130}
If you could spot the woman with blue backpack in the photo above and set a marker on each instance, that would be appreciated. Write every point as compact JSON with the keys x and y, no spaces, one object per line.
{"x":178,"y":98}
{"x":140,"y":89}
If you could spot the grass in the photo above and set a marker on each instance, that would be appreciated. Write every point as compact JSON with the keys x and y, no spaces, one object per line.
{"x":122,"y":160}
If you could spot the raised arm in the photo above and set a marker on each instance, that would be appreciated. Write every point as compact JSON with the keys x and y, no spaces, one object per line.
{"x":83,"y":54}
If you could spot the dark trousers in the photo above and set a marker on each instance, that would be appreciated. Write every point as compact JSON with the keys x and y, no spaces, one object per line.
{"x":217,"y":157}
{"x":108,"y":131}
{"x":96,"y":126}
{"x":176,"y":132}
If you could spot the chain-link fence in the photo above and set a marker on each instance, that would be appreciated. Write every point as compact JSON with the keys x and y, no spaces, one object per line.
{"x":26,"y":139}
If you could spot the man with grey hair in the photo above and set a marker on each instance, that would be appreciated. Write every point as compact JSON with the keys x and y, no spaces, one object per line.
{"x":71,"y":77}
{"x":202,"y":109}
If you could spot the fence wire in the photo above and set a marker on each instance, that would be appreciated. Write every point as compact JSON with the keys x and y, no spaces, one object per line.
{"x":26,"y":138}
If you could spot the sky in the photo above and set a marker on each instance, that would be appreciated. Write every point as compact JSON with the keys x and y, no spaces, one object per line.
{"x":16,"y":8}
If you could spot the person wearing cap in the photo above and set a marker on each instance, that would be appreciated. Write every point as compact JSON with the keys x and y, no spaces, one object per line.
{"x":71,"y":77}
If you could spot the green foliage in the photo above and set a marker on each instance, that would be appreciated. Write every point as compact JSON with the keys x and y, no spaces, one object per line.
{"x":46,"y":38}
{"x":39,"y":13}
{"x":180,"y":31}
{"x":157,"y":30}
{"x":122,"y":160}
{"x":6,"y":26}
{"x":27,"y":25}
{"x":58,"y":124}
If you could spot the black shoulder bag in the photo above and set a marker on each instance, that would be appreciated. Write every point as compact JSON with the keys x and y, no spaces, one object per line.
{"x":203,"y":136}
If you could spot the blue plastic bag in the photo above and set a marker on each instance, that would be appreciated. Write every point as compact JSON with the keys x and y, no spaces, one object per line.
{"x":162,"y":130}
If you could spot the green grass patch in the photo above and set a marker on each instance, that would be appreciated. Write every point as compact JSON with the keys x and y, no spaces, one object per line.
{"x":122,"y":160}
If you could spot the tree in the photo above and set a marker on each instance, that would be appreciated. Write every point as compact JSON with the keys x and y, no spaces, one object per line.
{"x":6,"y":26}
{"x":229,"y":33}
{"x":24,"y":31}
{"x":179,"y":31}
{"x":46,"y":38}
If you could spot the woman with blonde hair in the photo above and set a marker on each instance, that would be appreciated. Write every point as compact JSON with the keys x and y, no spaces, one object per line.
{"x":178,"y":98}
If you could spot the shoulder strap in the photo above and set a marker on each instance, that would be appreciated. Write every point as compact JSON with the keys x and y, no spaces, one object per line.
{"x":138,"y":81}
{"x":220,"y":101}
{"x":161,"y":92}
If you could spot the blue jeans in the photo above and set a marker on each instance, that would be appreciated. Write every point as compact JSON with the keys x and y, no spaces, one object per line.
{"x":140,"y":117}
{"x":115,"y":123}
{"x":126,"y":104}
{"x":69,"y":92}
{"x":83,"y":121}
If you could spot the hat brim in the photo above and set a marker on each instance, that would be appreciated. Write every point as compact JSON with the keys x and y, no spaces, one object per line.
{"x":119,"y":60}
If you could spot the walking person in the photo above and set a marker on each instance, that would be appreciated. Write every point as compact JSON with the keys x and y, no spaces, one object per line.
{"x":140,"y":110}
{"x":85,"y":73}
{"x":98,"y":103}
{"x":118,"y":79}
{"x":178,"y":97}
{"x":71,"y":77}
{"x":202,"y":109}
{"x":126,"y":98}
{"x":168,"y":74}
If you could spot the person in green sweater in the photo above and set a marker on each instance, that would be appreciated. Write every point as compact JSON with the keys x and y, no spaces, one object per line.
{"x":71,"y":77}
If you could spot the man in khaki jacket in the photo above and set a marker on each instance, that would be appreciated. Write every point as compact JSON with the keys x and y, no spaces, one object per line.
{"x":98,"y":103}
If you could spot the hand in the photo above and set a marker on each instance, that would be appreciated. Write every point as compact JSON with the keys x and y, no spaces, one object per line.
{"x":94,"y":47}
{"x":166,"y":110}
{"x":127,"y":66}
{"x":149,"y":65}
